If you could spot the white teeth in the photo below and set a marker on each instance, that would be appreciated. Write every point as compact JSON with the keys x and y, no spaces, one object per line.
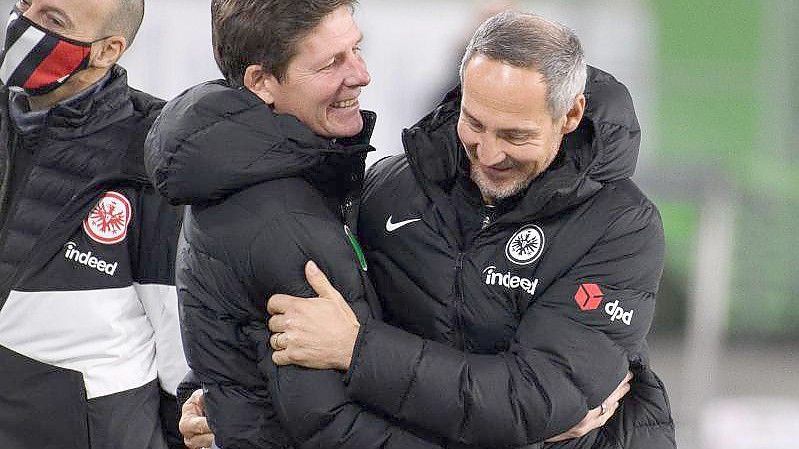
{"x":345,"y":103}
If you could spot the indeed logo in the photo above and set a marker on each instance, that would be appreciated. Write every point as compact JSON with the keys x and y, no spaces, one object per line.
{"x":509,"y":280}
{"x":617,"y":313}
{"x":72,"y":253}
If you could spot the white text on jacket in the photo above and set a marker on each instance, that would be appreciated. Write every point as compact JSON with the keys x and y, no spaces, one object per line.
{"x":509,"y":280}
{"x":89,"y":260}
{"x":616,"y":312}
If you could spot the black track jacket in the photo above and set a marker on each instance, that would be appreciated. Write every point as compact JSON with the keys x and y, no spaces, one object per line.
{"x":512,"y":332}
{"x":88,"y":308}
{"x":265,"y":195}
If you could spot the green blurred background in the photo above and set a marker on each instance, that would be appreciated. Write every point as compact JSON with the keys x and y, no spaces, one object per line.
{"x":727,"y":110}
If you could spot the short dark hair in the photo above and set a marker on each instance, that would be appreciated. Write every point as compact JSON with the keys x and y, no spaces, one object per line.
{"x":126,"y":19}
{"x":263,"y":32}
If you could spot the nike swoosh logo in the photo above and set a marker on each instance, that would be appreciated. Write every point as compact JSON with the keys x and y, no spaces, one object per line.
{"x":391,"y":227}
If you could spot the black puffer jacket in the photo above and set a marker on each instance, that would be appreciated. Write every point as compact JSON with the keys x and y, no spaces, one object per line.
{"x":265,"y":195}
{"x":511,"y":333}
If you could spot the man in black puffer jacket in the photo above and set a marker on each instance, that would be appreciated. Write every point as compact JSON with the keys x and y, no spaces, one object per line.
{"x":90,"y":350}
{"x":509,"y":246}
{"x":270,"y":163}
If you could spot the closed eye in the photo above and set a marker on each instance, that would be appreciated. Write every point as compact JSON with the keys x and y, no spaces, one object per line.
{"x":53,"y":20}
{"x":517,"y":139}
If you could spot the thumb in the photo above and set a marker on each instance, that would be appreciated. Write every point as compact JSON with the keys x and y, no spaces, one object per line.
{"x":319,"y":282}
{"x":201,"y":400}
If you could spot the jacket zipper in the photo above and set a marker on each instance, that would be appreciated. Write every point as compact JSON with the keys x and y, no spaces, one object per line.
{"x":459,"y":302}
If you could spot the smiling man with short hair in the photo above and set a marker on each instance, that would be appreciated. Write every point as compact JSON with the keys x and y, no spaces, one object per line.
{"x":269,"y":162}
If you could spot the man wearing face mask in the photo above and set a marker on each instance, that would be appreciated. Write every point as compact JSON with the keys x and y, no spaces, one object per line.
{"x":90,"y":351}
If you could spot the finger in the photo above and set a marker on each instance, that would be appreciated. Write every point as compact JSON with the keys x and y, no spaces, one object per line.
{"x":193,"y":426}
{"x":279,"y":323}
{"x":273,"y":341}
{"x":557,"y":438}
{"x":627,"y":378}
{"x":279,"y":341}
{"x":199,"y":441}
{"x":616,"y":396}
{"x":279,"y":303}
{"x":281,"y":358}
{"x":319,"y":281}
{"x":194,"y":400}
{"x":609,"y":412}
{"x":198,"y":397}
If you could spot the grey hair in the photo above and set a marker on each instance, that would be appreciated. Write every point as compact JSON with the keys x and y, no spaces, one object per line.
{"x":530,"y":41}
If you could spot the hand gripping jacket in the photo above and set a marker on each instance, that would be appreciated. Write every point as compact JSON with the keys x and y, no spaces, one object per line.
{"x":264,"y":196}
{"x":511,"y":335}
{"x":88,"y":308}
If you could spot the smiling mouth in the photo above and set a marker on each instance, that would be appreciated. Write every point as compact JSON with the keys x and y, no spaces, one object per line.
{"x":499,"y":169}
{"x":344,"y":104}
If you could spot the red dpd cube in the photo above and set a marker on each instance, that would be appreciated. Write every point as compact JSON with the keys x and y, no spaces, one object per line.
{"x":589,"y":296}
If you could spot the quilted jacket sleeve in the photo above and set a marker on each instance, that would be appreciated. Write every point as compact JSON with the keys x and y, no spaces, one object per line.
{"x":250,"y":402}
{"x":563,"y":360}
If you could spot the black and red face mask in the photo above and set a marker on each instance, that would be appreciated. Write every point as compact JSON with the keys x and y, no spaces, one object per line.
{"x":37,"y":59}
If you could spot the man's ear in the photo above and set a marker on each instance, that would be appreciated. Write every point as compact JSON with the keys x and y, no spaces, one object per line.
{"x":261,"y":83}
{"x":107,"y":52}
{"x":575,"y":115}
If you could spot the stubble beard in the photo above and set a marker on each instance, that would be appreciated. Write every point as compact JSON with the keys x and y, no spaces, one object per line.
{"x":492,"y":192}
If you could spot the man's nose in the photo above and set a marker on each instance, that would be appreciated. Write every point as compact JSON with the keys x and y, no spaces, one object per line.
{"x":357,"y":75}
{"x":489,"y":153}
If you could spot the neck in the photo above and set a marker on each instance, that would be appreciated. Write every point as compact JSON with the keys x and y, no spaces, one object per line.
{"x":75,"y":85}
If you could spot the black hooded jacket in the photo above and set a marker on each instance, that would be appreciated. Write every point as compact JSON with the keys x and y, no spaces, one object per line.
{"x":507,"y":332}
{"x":264,"y":196}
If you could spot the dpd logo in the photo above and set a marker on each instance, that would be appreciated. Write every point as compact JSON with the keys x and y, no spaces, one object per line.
{"x":590,"y":296}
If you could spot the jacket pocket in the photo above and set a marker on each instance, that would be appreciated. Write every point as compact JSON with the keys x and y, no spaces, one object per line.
{"x":41,"y":405}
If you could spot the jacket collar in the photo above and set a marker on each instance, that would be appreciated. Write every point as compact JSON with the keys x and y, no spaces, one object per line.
{"x":87,"y":114}
{"x":214,"y":140}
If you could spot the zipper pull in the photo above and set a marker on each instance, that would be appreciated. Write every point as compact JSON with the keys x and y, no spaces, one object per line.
{"x":489,"y":213}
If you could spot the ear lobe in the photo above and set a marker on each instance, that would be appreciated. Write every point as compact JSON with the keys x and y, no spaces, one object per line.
{"x":575,"y":115}
{"x":261,"y":83}
{"x":108,"y":51}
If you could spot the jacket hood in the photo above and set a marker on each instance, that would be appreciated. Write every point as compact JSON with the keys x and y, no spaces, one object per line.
{"x":214,"y":140}
{"x":603,"y":149}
